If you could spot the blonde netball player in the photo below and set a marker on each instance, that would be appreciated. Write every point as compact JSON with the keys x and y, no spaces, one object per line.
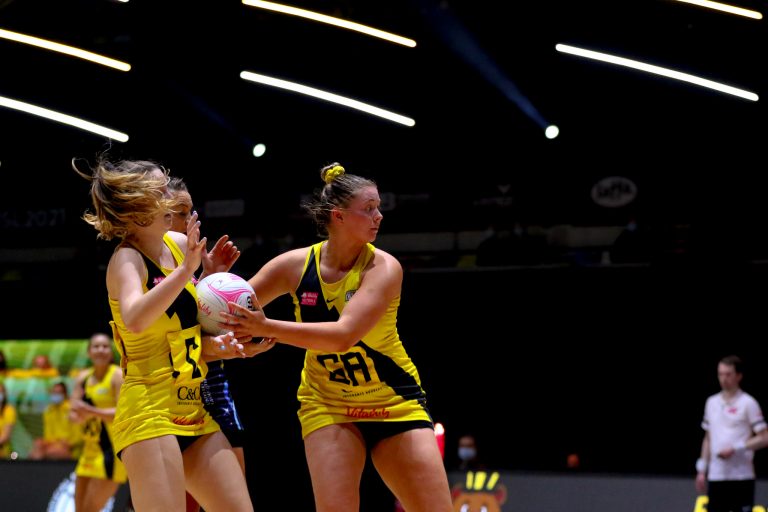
{"x":94,"y":396}
{"x":360,"y":393}
{"x":162,"y":433}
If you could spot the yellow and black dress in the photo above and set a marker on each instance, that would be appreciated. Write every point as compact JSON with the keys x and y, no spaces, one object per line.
{"x":163,"y":368}
{"x":98,"y":459}
{"x":375,"y":380}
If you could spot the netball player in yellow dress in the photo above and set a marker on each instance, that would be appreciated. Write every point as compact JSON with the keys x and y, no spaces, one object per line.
{"x":162,"y":433}
{"x":92,"y":404}
{"x":359,"y":390}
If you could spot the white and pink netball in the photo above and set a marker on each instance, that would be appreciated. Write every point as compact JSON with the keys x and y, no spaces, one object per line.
{"x":214,"y":292}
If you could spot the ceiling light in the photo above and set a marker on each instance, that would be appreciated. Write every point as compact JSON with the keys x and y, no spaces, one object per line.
{"x":62,"y":48}
{"x":657,"y":70}
{"x":327,"y":96}
{"x":63,"y":118}
{"x":322,"y":18}
{"x":725,"y":8}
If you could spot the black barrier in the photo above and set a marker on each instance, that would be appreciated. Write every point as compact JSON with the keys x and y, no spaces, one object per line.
{"x":45,"y":485}
{"x":49,"y":485}
{"x":499,"y":491}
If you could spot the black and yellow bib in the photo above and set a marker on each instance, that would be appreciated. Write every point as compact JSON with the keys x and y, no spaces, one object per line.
{"x":163,"y":368}
{"x":98,"y":458}
{"x":375,"y":380}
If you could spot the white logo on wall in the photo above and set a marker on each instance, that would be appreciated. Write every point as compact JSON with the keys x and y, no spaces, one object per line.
{"x":614,"y":191}
{"x":63,"y":498}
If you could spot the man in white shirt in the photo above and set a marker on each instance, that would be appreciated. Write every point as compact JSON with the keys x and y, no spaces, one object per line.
{"x":734,"y":428}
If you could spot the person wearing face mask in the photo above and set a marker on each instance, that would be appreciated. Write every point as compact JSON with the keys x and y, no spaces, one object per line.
{"x":7,"y":421}
{"x":62,"y":438}
{"x":467,"y":453}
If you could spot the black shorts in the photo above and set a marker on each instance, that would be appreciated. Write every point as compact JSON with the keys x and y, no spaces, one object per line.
{"x":730,"y":495}
{"x":375,"y":431}
{"x":186,"y":441}
{"x":235,"y":437}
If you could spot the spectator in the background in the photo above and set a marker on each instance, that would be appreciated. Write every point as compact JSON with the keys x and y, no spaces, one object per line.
{"x":61,"y":438}
{"x":42,"y":367}
{"x":469,"y":457}
{"x":7,"y":421}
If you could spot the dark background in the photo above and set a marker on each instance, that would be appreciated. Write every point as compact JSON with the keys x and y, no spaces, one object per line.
{"x":539,"y":360}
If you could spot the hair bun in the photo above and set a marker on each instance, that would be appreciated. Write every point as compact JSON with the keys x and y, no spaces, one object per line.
{"x":333,"y":173}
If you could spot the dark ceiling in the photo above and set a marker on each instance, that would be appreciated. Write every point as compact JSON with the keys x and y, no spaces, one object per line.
{"x":184,"y":103}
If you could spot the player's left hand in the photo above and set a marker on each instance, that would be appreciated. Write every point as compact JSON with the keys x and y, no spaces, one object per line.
{"x":226,"y":346}
{"x":221,"y":257}
{"x":195,"y":245}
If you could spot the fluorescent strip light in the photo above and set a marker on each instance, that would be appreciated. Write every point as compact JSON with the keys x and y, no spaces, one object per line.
{"x":62,"y":48}
{"x":63,"y":118}
{"x":725,"y":8}
{"x":327,"y":96}
{"x":677,"y":75}
{"x":322,"y":18}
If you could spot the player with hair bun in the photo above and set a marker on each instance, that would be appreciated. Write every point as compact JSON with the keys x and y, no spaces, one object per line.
{"x":360,"y":392}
